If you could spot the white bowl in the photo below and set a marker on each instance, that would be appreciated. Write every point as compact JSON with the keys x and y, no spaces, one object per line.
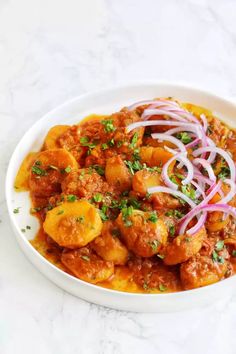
{"x":105,"y":102}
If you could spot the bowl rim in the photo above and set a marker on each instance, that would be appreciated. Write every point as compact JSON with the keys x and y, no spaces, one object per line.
{"x":128,"y":85}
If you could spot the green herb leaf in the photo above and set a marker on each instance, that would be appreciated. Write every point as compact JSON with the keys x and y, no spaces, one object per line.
{"x":224,"y":172}
{"x":153,"y":217}
{"x":174,"y":213}
{"x":102,"y":213}
{"x":189,"y":191}
{"x":68,"y":169}
{"x":99,"y":169}
{"x":162,"y":287}
{"x":97,"y":197}
{"x":172,"y":230}
{"x":80,"y":219}
{"x":234,"y":253}
{"x":104,"y":146}
{"x":28,"y":227}
{"x":16,"y":210}
{"x":108,"y":125}
{"x":71,"y":198}
{"x":154,"y":244}
{"x":184,"y":137}
{"x":219,"y":245}
{"x":111,"y":143}
{"x":134,"y":141}
{"x":60,"y":212}
{"x":38,"y":171}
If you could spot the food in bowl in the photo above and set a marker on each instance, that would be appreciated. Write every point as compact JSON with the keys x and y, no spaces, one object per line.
{"x":139,"y":201}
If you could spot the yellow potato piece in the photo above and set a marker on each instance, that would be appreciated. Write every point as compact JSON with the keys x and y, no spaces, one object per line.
{"x":117,"y":174}
{"x":74,"y":224}
{"x":53,"y":134}
{"x":143,"y":180}
{"x":154,"y":156}
{"x":22,"y":178}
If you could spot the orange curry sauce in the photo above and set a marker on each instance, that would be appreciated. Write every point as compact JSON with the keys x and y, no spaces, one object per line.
{"x":88,"y":187}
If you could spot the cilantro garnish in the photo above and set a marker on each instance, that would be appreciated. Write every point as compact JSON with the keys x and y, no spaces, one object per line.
{"x":153,"y":217}
{"x":85,"y":258}
{"x":224,"y":172}
{"x":219,"y":245}
{"x":71,"y":198}
{"x":154,"y":244}
{"x":184,"y":137}
{"x":175,"y":213}
{"x":134,"y":141}
{"x":38,"y":171}
{"x":108,"y":125}
{"x":97,"y":197}
{"x":189,"y":191}
{"x":162,"y":287}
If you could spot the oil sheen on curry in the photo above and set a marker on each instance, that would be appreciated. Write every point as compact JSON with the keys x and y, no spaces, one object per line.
{"x":142,"y":200}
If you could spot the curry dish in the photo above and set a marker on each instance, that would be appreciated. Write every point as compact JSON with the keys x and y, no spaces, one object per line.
{"x":142,"y":200}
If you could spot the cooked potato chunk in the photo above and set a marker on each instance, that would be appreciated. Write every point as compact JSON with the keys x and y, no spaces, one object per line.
{"x":183,"y":247}
{"x":51,"y":140}
{"x":49,"y":170}
{"x":22,"y":178}
{"x":86,"y":265}
{"x":154,"y":156}
{"x":73,"y":224}
{"x":143,"y":232}
{"x":108,"y":245}
{"x":143,"y":180}
{"x":117,"y":173}
{"x":201,"y":271}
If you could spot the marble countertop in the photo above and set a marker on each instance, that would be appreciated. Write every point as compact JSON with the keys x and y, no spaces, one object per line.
{"x":51,"y":51}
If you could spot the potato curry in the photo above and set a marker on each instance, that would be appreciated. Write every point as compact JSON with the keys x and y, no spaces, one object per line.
{"x":142,"y":200}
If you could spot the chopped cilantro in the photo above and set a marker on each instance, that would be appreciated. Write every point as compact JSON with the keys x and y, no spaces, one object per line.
{"x":60,"y":212}
{"x":68,"y":169}
{"x":97,"y":197}
{"x":28,"y":227}
{"x":224,"y":172}
{"x":134,"y":202}
{"x":111,"y":143}
{"x":35,"y":210}
{"x":154,"y":244}
{"x":178,"y":175}
{"x":104,"y":146}
{"x":134,"y":141}
{"x":99,"y":169}
{"x":175,"y":213}
{"x":108,"y":125}
{"x":162,"y":287}
{"x":172,"y":230}
{"x":38,"y":171}
{"x":22,"y":230}
{"x":133,"y":166}
{"x":173,"y":179}
{"x":37,"y":163}
{"x":71,"y":198}
{"x":217,"y":258}
{"x":153,"y":217}
{"x":234,"y":253}
{"x":126,"y":213}
{"x":119,"y":144}
{"x":102,"y":213}
{"x":219,"y":245}
{"x":16,"y":210}
{"x":184,"y":137}
{"x":145,"y":286}
{"x":189,"y":191}
{"x":84,"y":141}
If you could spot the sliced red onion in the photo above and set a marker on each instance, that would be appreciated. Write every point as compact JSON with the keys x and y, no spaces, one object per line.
{"x":171,"y":139}
{"x":204,"y":202}
{"x":150,"y":123}
{"x":207,"y":167}
{"x":221,"y":152}
{"x":231,"y":193}
{"x":224,"y":208}
{"x":193,"y":143}
{"x":165,"y":168}
{"x":204,"y":121}
{"x":162,"y":189}
{"x":140,"y":103}
{"x":189,"y":128}
{"x":197,"y":227}
{"x":147,"y":113}
{"x":212,"y":155}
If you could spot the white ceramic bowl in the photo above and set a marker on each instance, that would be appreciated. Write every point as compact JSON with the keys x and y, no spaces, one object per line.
{"x":105,"y":102}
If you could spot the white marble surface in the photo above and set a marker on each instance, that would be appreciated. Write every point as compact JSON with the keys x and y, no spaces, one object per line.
{"x":52,"y":50}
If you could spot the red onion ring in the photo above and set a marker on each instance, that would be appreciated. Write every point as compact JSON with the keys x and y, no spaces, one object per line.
{"x":171,"y":139}
{"x":147,"y":113}
{"x":207,"y":167}
{"x":221,"y":152}
{"x":162,"y":189}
